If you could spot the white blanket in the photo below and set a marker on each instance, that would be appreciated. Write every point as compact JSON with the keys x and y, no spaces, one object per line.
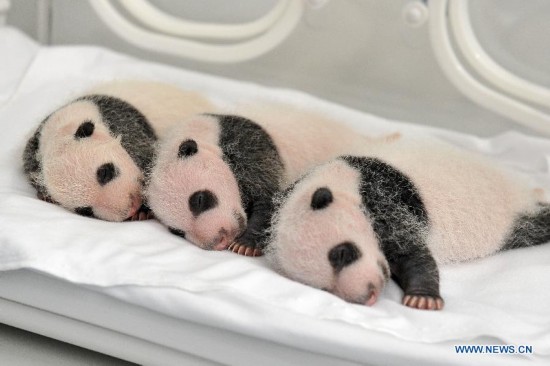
{"x":504,"y":298}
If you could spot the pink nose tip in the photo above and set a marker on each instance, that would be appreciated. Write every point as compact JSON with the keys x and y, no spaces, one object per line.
{"x":136,"y":202}
{"x":372,"y":299}
{"x":372,"y":295}
{"x":223,"y":241}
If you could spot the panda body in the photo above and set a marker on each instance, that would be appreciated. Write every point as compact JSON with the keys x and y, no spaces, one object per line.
{"x":472,"y":201}
{"x":404,"y":209}
{"x":305,"y":138}
{"x":90,"y":155}
{"x":242,"y":162}
{"x":162,"y":104}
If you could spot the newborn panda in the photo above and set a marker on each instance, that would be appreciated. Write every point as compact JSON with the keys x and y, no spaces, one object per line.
{"x":215,"y":175}
{"x":349,"y":223}
{"x":90,"y":155}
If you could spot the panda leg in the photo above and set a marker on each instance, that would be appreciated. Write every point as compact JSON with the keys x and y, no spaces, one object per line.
{"x":253,"y":240}
{"x":417,"y":274}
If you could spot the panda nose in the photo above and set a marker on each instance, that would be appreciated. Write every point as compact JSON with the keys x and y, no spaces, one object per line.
{"x":342,"y":255}
{"x":223,"y":240}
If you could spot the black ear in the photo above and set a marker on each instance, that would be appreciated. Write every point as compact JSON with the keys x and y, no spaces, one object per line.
{"x":85,"y":211}
{"x":86,"y":129}
{"x":187,"y":148}
{"x":321,"y":198}
{"x":177,"y":232}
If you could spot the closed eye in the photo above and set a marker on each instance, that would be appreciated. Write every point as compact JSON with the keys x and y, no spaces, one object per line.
{"x":201,"y":201}
{"x":106,"y":173}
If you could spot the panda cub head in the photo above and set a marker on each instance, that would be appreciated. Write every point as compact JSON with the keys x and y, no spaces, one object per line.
{"x":192,"y":190}
{"x":74,"y":161}
{"x":320,"y":236}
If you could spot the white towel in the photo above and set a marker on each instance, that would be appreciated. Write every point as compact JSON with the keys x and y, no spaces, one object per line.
{"x":505,"y":297}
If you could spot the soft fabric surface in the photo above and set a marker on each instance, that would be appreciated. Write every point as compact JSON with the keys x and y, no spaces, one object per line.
{"x":504,"y":298}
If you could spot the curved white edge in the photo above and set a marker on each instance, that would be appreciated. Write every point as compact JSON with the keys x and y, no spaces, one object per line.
{"x":91,"y":319}
{"x":44,"y":21}
{"x":482,"y":63}
{"x":156,"y":19}
{"x":468,"y":85}
{"x":93,"y":337}
{"x":226,"y":53}
{"x":4,"y":8}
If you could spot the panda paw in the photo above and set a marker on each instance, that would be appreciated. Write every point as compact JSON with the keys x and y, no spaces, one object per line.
{"x":423,"y":302}
{"x":142,"y":214}
{"x":245,"y":250}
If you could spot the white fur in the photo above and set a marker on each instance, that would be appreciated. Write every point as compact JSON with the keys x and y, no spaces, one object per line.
{"x":303,"y":139}
{"x":471,"y":204}
{"x":471,"y":201}
{"x":69,"y":166}
{"x":162,"y":104}
{"x":302,"y":237}
{"x":173,"y":180}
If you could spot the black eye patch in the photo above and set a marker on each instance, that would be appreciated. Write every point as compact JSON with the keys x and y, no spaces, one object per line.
{"x":321,"y":198}
{"x":343,"y":255}
{"x":201,"y":201}
{"x":177,"y":232}
{"x":84,"y":211}
{"x":86,"y":129}
{"x":187,"y":148}
{"x":106,"y":173}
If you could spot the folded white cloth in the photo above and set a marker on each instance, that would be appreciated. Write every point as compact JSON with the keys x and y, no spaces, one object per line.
{"x":504,"y":297}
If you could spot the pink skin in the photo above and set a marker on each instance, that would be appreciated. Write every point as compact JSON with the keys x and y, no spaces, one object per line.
{"x":175,"y":179}
{"x":303,"y":238}
{"x":240,"y":249}
{"x":71,"y":182}
{"x":362,"y":282}
{"x":117,"y":200}
{"x":423,"y":302}
{"x":69,"y":165}
{"x":134,"y":205}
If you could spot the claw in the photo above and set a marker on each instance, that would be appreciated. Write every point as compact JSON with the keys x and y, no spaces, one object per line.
{"x":423,"y":302}
{"x":242,"y":250}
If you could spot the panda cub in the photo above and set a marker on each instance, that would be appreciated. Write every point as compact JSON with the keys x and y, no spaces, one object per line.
{"x":215,"y":175}
{"x":90,"y":155}
{"x":349,"y":224}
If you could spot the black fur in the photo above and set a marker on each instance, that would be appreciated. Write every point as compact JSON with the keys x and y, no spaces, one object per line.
{"x":86,"y":129}
{"x":137,"y":137}
{"x":281,"y":196}
{"x":31,"y":163}
{"x":400,"y":222}
{"x":321,"y":198}
{"x":122,"y":119}
{"x":187,"y":148}
{"x":85,"y":211}
{"x":201,"y":201}
{"x":253,"y":157}
{"x":530,"y":229}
